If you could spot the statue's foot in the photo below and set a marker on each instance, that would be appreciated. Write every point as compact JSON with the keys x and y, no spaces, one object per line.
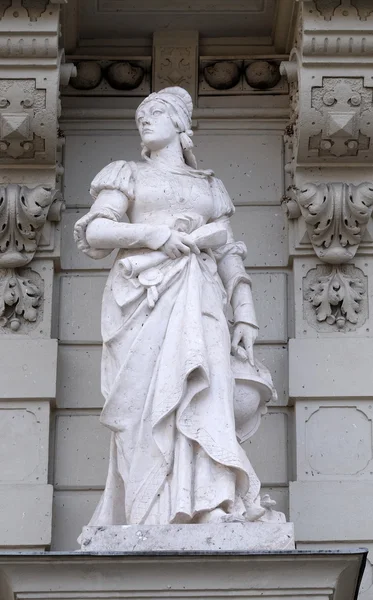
{"x":254,"y":512}
{"x":217,"y":515}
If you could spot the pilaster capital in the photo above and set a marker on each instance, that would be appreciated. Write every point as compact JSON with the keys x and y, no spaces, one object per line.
{"x":328,"y":155}
{"x":32,"y":68}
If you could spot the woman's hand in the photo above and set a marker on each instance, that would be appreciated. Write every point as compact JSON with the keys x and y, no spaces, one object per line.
{"x":179,"y":244}
{"x":243,"y":338}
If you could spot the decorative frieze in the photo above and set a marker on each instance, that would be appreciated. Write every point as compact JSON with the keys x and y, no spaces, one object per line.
{"x":240,"y":76}
{"x":361,"y":9}
{"x":111,"y":78}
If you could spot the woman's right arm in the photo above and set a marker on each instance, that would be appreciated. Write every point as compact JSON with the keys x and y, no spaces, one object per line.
{"x":103,"y":233}
{"x":101,"y":230}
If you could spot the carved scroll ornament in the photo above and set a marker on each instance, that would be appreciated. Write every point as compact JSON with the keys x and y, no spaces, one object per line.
{"x":336,"y":216}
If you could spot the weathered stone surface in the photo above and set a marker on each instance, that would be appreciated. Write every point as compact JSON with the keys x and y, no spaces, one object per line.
{"x":28,"y":368}
{"x":323,"y":373}
{"x":336,"y":509}
{"x":25,"y":515}
{"x":222,"y":537}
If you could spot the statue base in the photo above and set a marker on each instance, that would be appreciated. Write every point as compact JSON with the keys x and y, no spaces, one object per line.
{"x":217,"y":537}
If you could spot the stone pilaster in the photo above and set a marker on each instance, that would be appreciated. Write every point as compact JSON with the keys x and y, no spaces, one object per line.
{"x":31,"y":71}
{"x":329,"y":148}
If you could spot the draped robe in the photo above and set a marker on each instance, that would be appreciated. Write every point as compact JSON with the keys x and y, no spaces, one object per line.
{"x":168,"y":377}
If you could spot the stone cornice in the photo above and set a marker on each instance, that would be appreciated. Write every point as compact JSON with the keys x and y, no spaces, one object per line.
{"x":295,"y":574}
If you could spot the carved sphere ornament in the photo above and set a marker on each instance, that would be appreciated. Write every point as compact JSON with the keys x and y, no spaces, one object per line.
{"x":222,"y":75}
{"x":262,"y":74}
{"x":124,"y":76}
{"x":88,"y":77}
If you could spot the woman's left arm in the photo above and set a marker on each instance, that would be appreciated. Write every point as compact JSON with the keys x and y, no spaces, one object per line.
{"x":238,"y":287}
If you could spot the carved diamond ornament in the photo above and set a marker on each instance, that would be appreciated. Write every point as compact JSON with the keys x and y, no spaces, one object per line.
{"x":345,"y":105}
{"x":23,"y":117}
{"x":15,"y":126}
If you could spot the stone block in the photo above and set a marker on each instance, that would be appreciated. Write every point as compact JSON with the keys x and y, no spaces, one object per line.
{"x":269,"y":248}
{"x":28,"y":368}
{"x":334,"y":440}
{"x":217,"y":537}
{"x":329,"y":368}
{"x":24,"y":436}
{"x":72,"y":510}
{"x":80,"y":307}
{"x":86,"y":154}
{"x":81,"y":297}
{"x":78,"y":377}
{"x":25,"y":515}
{"x":268,"y":449}
{"x":249,"y":157}
{"x":275,"y":358}
{"x":270,"y":300}
{"x":253,"y":174}
{"x":82,"y":450}
{"x":324,"y":511}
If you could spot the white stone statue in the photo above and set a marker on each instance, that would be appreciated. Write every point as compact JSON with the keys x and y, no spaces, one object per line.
{"x":182,"y":388}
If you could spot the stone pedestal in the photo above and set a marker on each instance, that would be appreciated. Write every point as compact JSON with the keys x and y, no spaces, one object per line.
{"x":218,"y":537}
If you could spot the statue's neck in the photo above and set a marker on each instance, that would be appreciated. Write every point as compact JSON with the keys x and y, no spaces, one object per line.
{"x":171,"y":155}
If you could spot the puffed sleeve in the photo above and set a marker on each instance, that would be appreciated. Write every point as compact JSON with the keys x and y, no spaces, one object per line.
{"x":223,"y":205}
{"x":117,"y":176}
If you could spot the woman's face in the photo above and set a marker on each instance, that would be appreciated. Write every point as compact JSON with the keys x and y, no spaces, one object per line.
{"x":155,"y":125}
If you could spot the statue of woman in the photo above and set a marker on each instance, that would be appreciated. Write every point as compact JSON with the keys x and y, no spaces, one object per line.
{"x":181,"y":389}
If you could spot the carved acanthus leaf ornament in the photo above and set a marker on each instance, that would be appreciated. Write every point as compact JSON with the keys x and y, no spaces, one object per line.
{"x":336,"y":216}
{"x":20,"y":299}
{"x":23,"y":212}
{"x":337,"y":295}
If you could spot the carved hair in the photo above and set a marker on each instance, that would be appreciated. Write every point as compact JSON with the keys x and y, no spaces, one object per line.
{"x":180,"y":107}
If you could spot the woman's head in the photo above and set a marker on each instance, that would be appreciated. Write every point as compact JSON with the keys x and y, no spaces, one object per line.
{"x":164,"y":115}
